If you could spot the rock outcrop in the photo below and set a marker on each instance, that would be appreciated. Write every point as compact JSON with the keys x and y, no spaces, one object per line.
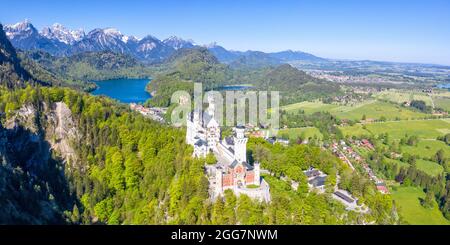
{"x":35,"y":143}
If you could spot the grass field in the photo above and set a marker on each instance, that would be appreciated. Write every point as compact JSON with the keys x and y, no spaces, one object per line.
{"x":372,"y":109}
{"x":424,"y":129}
{"x":303,"y":133}
{"x":403,"y":96}
{"x":442,"y":93}
{"x":430,"y":168}
{"x":427,"y":148}
{"x":398,"y":162}
{"x":376,"y":110}
{"x":408,"y":200}
{"x":443,"y":103}
{"x":309,"y":107}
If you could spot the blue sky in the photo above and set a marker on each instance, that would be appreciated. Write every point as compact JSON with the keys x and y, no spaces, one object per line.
{"x":392,"y":30}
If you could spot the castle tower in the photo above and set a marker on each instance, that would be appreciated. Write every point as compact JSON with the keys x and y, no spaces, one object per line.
{"x":257,"y":172}
{"x":196,"y":117}
{"x":211,"y":106}
{"x":218,"y":176}
{"x":240,"y":145}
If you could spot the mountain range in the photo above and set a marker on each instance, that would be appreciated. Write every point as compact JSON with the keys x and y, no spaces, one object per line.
{"x":61,"y":41}
{"x":12,"y":74}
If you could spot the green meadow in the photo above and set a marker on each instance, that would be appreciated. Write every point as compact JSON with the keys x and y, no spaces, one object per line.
{"x":377,"y":110}
{"x":403,"y":96}
{"x":430,"y":168}
{"x":443,"y":103}
{"x":371,"y":109}
{"x":424,"y":129}
{"x":309,"y":107}
{"x":411,"y":210}
{"x":398,"y":162}
{"x":303,"y":133}
{"x":427,"y":148}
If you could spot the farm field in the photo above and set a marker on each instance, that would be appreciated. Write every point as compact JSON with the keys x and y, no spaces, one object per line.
{"x":427,"y":148}
{"x":442,"y":102}
{"x":303,"y":133}
{"x":408,"y":200}
{"x":398,"y":162}
{"x":371,"y":109}
{"x":424,"y":129}
{"x":403,"y":96}
{"x":309,"y":107}
{"x":430,"y":168}
{"x":442,"y":93}
{"x":376,"y":110}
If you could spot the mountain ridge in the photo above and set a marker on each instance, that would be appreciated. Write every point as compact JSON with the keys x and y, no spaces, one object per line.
{"x":61,"y":41}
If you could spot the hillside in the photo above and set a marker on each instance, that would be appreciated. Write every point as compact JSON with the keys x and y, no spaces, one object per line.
{"x":255,"y":59}
{"x":93,"y":161}
{"x":200,"y":65}
{"x":44,"y":73}
{"x":182,"y":69}
{"x":81,"y":159}
{"x":12,"y":74}
{"x":295,"y":85}
{"x":90,"y":66}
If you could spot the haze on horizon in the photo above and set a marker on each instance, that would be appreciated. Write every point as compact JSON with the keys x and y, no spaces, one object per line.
{"x":399,"y":31}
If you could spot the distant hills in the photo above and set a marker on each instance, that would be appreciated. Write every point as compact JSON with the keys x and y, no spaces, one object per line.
{"x":200,"y":65}
{"x":258,"y":58}
{"x":90,"y":66}
{"x":19,"y":69}
{"x":58,"y":40}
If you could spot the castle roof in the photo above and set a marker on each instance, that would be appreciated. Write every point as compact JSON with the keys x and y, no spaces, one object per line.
{"x":200,"y":142}
{"x":229,"y":140}
{"x":245,"y":164}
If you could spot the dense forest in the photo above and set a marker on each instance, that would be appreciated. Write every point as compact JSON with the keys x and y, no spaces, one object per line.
{"x":82,"y":68}
{"x":198,"y":65}
{"x":68,"y":157}
{"x":131,"y":170}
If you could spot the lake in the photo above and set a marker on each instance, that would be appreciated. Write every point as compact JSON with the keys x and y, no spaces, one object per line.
{"x":444,"y":86}
{"x":124,"y":90}
{"x":235,"y":87}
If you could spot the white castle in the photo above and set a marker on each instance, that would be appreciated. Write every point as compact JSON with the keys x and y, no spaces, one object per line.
{"x":232,"y":171}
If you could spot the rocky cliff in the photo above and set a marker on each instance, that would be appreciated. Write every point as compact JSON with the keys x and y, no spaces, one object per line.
{"x":35,"y":143}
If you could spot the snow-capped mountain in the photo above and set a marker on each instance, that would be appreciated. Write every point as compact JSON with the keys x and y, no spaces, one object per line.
{"x":24,"y":35}
{"x":62,"y":34}
{"x":177,"y":43}
{"x":151,"y":48}
{"x":61,"y":41}
{"x":98,"y":39}
{"x":21,"y":30}
{"x":128,"y":39}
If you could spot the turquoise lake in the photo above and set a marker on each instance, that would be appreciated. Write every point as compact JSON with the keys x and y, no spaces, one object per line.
{"x":124,"y":90}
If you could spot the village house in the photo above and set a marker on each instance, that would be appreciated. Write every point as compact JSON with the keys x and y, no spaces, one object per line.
{"x":155,"y":113}
{"x":366,"y":143}
{"x":316,"y":179}
{"x":381,"y":187}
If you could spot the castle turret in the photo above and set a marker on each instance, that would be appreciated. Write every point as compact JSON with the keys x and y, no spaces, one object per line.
{"x":211,"y":107}
{"x":240,"y":145}
{"x":197,"y":117}
{"x":257,"y":172}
